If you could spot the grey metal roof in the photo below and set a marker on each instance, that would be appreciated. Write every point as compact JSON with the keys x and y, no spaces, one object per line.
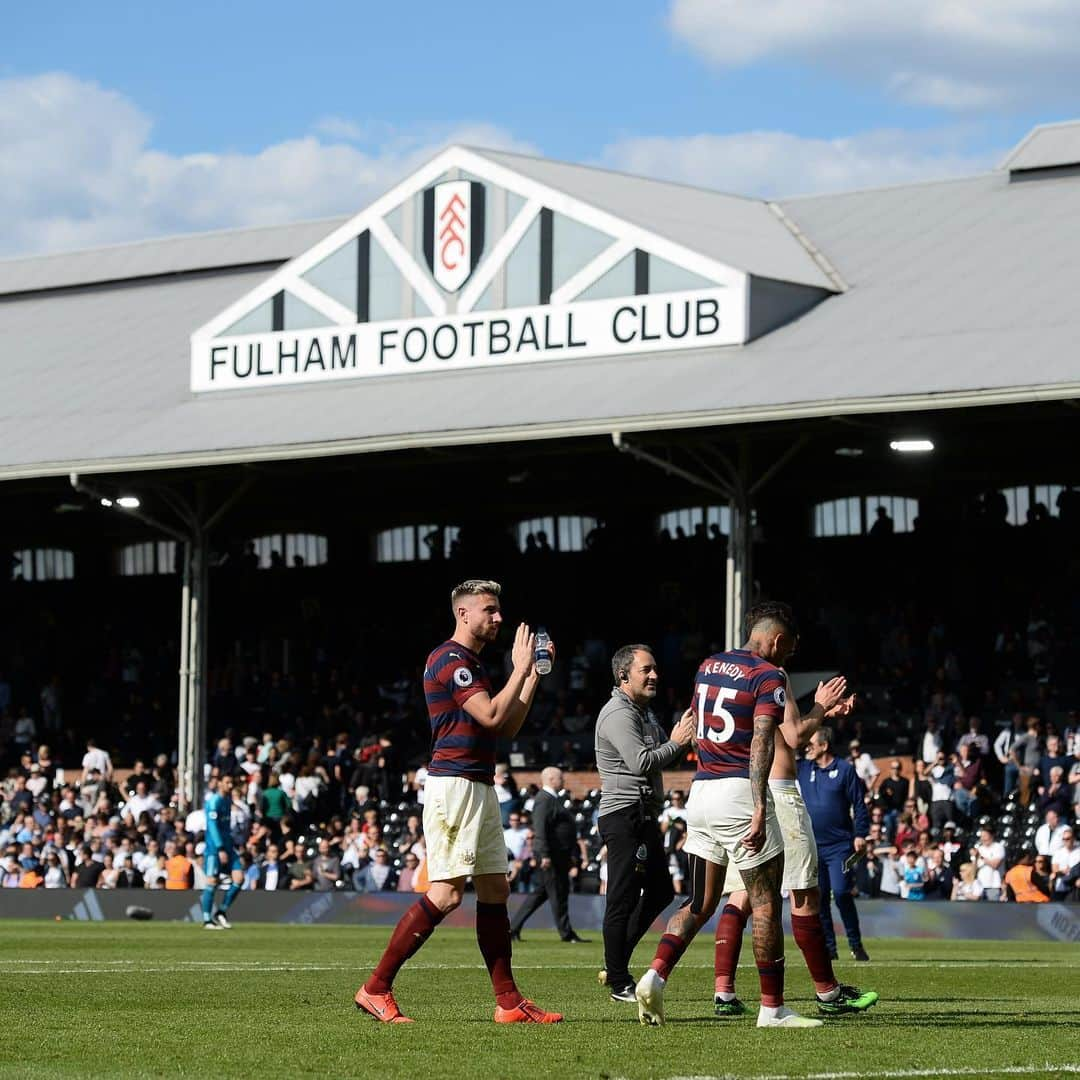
{"x":1045,"y":147}
{"x":961,"y":293}
{"x":171,"y":255}
{"x":744,"y":233}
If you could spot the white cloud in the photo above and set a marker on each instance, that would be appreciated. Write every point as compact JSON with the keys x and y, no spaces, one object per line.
{"x":337,"y":127}
{"x":960,"y":54}
{"x":77,"y":170}
{"x":775,"y":163}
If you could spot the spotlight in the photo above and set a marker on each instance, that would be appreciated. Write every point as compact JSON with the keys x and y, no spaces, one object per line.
{"x":911,"y":446}
{"x":128,"y":502}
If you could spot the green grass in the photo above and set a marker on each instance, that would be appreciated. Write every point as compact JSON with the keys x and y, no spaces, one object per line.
{"x":145,"y":999}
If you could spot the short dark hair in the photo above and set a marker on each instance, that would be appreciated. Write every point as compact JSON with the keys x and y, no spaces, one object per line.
{"x":825,"y":735}
{"x":768,"y":613}
{"x":624,"y":657}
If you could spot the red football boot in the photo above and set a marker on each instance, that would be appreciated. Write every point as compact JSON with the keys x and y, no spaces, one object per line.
{"x":526,"y":1012}
{"x":382,"y":1006}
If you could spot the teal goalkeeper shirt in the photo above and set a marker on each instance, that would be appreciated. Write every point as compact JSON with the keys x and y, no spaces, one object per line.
{"x":218,"y":823}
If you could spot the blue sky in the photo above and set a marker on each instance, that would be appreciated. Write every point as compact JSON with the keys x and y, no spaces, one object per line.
{"x":120,"y":121}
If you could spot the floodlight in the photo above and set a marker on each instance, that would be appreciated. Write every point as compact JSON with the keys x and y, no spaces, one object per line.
{"x":911,"y":446}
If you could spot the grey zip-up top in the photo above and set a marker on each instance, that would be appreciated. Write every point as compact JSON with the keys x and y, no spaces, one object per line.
{"x":631,"y":753}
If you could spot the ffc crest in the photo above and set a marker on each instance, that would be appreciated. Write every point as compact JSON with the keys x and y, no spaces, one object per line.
{"x":453,"y":231}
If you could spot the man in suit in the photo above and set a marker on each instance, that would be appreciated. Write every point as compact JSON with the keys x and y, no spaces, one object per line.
{"x":554,"y":842}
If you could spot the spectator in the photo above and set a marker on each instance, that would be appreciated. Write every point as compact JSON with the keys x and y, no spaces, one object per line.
{"x":968,"y":772}
{"x":56,"y":876}
{"x":1048,"y":836}
{"x":98,"y":759}
{"x":1023,"y":885}
{"x":1056,"y":796}
{"x":179,"y":869}
{"x":300,"y":874}
{"x":974,"y":739}
{"x":88,"y":870}
{"x":275,"y":803}
{"x":989,"y":857}
{"x":942,"y":778}
{"x":378,"y":875}
{"x":409,"y":872}
{"x":516,"y":836}
{"x":913,"y":876}
{"x":863,"y":763}
{"x":273,"y":872}
{"x":1065,"y":865}
{"x":1003,"y":747}
{"x":1025,"y":756}
{"x":326,"y":868}
{"x":967,"y":886}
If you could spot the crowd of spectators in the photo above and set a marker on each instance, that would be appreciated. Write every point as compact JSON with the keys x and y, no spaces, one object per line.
{"x":969,"y":689}
{"x":338,"y":814}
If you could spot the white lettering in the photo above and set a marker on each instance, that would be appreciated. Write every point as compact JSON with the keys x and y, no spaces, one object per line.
{"x":519,"y":335}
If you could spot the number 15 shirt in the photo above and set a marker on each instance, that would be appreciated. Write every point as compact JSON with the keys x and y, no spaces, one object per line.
{"x":730,"y":689}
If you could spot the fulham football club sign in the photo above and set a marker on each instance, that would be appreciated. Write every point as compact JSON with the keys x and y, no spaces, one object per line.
{"x":453,"y":231}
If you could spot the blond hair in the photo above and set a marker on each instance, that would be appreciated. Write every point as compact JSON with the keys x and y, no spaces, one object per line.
{"x":473,"y":587}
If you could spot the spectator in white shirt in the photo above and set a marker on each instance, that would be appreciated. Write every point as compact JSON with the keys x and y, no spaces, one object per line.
{"x":1064,"y":861}
{"x":931,"y":742}
{"x":95,"y":758}
{"x":677,"y":809}
{"x":988,"y":856}
{"x":142,"y":801}
{"x":865,"y":768}
{"x":516,"y":836}
{"x":1048,"y":836}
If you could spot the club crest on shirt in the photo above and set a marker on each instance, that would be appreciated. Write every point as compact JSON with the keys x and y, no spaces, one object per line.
{"x":463,"y":677}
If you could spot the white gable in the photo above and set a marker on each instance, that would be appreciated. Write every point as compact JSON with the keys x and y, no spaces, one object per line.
{"x":537,"y":275}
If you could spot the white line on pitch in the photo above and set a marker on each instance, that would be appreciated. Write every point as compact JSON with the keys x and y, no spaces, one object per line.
{"x":900,"y":1074}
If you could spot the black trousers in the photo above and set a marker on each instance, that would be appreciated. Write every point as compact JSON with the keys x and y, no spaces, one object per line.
{"x":639,"y":886}
{"x":555,"y":888}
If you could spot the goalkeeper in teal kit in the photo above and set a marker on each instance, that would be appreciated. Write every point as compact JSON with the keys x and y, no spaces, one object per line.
{"x":218,"y":854}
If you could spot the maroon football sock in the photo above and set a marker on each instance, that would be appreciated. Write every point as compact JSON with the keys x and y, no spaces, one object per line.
{"x":668,"y":952}
{"x":771,"y":976}
{"x":729,"y":936}
{"x":810,"y":937}
{"x":493,"y":937}
{"x":412,"y":930}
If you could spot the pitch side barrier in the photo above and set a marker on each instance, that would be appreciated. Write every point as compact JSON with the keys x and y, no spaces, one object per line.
{"x":879,"y":918}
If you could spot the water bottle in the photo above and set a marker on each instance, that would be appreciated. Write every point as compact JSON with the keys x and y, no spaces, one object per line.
{"x":542,"y":655}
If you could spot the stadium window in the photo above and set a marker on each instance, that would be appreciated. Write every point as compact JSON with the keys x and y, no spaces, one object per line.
{"x":714,"y":518}
{"x":572,"y":531}
{"x":855,"y":515}
{"x":293,"y":549}
{"x":903,"y":511}
{"x":413,"y":543}
{"x":43,"y":564}
{"x":838,"y":517}
{"x":567,"y":532}
{"x":150,"y":557}
{"x":1024,"y":498}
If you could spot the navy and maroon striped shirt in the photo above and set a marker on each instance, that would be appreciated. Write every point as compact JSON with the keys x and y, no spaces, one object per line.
{"x":730,"y":689}
{"x":459,"y":745}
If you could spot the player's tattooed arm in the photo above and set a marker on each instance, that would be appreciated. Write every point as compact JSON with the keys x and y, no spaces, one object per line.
{"x":762,"y":751}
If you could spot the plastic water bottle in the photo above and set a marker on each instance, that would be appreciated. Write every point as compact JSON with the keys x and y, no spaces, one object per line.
{"x":542,"y":655}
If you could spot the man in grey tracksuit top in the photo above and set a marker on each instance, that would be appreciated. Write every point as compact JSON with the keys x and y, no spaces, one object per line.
{"x":631,"y":753}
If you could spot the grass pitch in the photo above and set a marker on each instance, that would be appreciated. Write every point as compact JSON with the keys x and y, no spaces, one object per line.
{"x":168,"y":999}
